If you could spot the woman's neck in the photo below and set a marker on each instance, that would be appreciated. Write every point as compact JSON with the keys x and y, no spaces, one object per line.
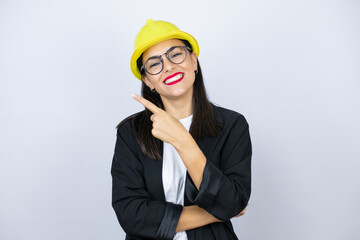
{"x":178,"y":107}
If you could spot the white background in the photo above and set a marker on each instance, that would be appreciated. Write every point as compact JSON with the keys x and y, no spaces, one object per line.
{"x":291,"y":67}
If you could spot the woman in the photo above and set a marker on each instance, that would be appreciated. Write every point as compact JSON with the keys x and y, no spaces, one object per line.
{"x":182,"y":167}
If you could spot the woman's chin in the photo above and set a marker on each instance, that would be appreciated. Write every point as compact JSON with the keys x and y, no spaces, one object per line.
{"x":178,"y":93}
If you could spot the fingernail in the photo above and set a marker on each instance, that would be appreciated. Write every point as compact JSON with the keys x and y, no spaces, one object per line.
{"x":133,"y":95}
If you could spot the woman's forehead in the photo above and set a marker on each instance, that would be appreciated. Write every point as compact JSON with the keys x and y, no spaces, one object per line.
{"x":161,"y":47}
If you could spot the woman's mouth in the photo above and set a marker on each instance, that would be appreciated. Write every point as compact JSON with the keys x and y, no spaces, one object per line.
{"x":175,"y":78}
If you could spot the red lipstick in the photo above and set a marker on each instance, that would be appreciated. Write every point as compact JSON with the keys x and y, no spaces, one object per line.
{"x":174,"y":75}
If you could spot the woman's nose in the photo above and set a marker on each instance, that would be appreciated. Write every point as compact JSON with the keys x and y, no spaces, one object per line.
{"x":168,"y":66}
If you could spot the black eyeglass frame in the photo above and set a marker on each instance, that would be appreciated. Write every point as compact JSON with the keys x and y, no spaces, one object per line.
{"x":162,"y":61}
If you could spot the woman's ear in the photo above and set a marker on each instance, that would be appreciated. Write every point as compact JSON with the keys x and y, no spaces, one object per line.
{"x":147,"y":81}
{"x":194,"y":60}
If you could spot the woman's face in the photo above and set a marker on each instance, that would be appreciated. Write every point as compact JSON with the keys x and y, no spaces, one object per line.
{"x":183,"y":73}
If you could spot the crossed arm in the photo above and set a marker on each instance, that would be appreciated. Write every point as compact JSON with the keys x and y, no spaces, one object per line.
{"x":195,"y":161}
{"x":216,"y":196}
{"x":140,"y":215}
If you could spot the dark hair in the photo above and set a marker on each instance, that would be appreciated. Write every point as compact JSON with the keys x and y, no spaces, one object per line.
{"x":203,"y":120}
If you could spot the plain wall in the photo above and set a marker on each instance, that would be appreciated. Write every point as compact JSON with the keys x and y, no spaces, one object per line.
{"x":291,"y":67}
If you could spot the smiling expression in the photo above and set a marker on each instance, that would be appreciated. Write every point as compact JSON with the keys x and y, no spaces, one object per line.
{"x":175,"y":80}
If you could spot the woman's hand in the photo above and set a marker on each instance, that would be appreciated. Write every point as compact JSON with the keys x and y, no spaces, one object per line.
{"x":169,"y":129}
{"x":165,"y":127}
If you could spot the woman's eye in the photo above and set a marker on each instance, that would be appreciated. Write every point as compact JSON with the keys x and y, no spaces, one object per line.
{"x":154,"y":64}
{"x":176,"y":55}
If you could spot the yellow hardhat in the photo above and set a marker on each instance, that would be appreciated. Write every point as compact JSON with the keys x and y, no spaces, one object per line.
{"x":154,"y":32}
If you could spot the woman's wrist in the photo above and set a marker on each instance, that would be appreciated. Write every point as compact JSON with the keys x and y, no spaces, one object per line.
{"x":183,"y":141}
{"x":193,"y":158}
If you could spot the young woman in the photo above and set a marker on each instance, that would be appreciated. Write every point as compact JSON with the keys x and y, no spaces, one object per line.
{"x":182,"y":167}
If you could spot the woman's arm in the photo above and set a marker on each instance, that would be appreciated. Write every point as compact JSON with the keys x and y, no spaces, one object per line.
{"x":192,"y":156}
{"x":224,"y":190}
{"x":137,"y":212}
{"x":169,"y":129}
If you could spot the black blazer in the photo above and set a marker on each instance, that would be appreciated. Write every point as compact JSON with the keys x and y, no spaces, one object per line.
{"x":138,"y":195}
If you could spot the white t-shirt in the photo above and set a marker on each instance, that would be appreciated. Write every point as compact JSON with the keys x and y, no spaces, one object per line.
{"x":174,"y":175}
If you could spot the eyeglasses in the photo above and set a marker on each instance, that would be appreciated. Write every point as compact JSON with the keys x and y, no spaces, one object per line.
{"x":155,"y":64}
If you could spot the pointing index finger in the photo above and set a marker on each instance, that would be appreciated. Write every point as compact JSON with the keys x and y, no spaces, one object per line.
{"x":146,"y":103}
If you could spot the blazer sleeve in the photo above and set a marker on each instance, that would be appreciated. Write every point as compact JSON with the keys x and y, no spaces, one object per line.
{"x":138,"y":214}
{"x":225,"y":191}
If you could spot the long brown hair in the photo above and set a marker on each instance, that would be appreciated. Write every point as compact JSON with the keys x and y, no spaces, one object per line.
{"x":203,"y":120}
